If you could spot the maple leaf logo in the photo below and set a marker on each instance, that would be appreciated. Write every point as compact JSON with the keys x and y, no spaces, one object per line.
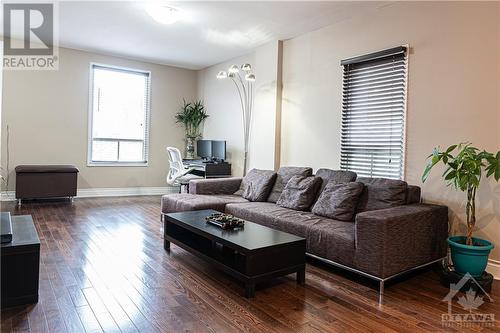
{"x":471,"y":301}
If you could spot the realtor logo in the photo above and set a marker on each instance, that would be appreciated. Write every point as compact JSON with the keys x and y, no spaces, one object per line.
{"x":470,"y":302}
{"x":30,"y":36}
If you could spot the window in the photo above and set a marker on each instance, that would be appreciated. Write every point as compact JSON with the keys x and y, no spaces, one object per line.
{"x":119,"y":116}
{"x":373,"y":114}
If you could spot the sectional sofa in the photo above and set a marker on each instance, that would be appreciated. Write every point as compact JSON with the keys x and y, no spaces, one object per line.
{"x":391,"y":233}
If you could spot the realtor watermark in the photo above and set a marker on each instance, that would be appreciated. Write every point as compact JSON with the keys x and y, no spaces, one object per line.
{"x":471,"y":301}
{"x":30,"y":31}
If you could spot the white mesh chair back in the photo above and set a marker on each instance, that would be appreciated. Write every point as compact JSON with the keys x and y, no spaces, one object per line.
{"x":176,"y":166}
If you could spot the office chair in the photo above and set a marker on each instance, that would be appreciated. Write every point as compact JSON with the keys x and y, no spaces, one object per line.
{"x":178,"y":175}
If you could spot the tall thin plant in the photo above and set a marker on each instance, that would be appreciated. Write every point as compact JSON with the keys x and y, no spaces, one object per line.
{"x":4,"y":173}
{"x":192,"y":116}
{"x":464,"y":171}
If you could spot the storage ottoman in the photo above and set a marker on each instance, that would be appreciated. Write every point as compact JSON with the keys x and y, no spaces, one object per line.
{"x":45,"y":181}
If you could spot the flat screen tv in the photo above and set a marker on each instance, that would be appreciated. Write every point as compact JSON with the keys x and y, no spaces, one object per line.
{"x":204,"y":149}
{"x":211,"y":149}
{"x":218,"y":150}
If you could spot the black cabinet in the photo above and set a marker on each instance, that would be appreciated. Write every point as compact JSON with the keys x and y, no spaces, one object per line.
{"x":20,"y":264}
{"x":209,"y":170}
{"x":216,"y":170}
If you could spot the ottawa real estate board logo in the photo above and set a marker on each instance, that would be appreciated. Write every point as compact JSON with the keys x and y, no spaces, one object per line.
{"x":471,"y":316}
{"x":30,"y":36}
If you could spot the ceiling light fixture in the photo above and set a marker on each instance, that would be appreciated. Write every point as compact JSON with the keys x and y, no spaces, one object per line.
{"x":164,"y":14}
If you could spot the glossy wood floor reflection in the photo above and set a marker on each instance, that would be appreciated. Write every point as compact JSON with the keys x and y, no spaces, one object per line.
{"x":103,"y":268}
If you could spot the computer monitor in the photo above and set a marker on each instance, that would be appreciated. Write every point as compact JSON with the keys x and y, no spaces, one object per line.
{"x":219,"y":150}
{"x":204,"y":149}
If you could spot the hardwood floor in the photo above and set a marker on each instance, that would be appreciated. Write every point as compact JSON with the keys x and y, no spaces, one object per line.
{"x":103,"y":268}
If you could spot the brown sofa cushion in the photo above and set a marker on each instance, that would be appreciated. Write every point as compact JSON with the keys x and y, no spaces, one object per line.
{"x":327,"y":238}
{"x":338,"y":201}
{"x":412,"y":194}
{"x":282,"y":178}
{"x":181,"y":202}
{"x":215,"y":185}
{"x":335,"y":176}
{"x":299,"y":192}
{"x":381,"y":193}
{"x":257,"y":184}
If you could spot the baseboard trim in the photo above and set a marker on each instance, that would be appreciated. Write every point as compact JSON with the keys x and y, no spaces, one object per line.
{"x":494,"y":268}
{"x":107,"y":192}
{"x":124,"y":192}
{"x":7,"y":195}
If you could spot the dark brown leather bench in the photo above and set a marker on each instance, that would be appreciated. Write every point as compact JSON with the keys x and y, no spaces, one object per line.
{"x":46,"y":181}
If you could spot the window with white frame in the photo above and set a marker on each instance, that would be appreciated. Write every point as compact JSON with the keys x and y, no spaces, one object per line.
{"x":118,"y":116}
{"x":373,"y":113}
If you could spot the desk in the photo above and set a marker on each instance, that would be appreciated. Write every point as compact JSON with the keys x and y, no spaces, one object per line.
{"x":209,"y":170}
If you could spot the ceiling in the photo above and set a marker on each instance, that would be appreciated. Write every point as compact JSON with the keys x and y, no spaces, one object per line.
{"x":211,"y":32}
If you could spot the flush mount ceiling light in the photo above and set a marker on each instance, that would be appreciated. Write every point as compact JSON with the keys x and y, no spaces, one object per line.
{"x":164,"y":14}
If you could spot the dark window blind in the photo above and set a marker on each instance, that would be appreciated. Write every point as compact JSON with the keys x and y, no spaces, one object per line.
{"x":373,"y":114}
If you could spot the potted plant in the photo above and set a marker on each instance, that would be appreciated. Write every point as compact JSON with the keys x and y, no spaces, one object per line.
{"x":464,"y":171}
{"x":191,"y":116}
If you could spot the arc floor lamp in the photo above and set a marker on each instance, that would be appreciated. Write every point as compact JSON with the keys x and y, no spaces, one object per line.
{"x":244,"y":86}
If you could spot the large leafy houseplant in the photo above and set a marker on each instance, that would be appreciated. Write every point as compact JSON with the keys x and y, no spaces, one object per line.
{"x":465,"y":166}
{"x":192,"y":116}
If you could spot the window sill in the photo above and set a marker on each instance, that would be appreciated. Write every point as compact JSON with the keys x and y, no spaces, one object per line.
{"x":117,"y":164}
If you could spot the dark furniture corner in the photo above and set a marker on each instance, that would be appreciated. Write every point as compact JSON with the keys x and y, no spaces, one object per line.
{"x":20,"y":264}
{"x":253,"y":254}
{"x":46,"y":181}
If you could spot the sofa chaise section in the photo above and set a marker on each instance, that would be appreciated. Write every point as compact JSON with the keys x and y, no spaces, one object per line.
{"x":203,"y":194}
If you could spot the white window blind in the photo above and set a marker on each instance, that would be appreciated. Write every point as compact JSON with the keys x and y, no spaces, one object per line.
{"x":119,"y":116}
{"x":373,"y":113}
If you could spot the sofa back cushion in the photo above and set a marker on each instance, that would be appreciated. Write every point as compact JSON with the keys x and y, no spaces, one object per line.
{"x":299,"y":193}
{"x":335,"y":176}
{"x":412,"y":194}
{"x":282,"y":178}
{"x":380,"y":193}
{"x":338,"y":201}
{"x":257,"y":184}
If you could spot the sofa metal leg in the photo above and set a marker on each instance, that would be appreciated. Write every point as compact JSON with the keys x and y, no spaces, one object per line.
{"x":381,"y":292}
{"x":19,"y":202}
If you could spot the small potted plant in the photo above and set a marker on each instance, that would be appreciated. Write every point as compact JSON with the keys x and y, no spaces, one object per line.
{"x":464,"y":171}
{"x":191,"y":116}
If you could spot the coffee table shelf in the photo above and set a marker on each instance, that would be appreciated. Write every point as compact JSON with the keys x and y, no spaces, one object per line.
{"x":253,"y":254}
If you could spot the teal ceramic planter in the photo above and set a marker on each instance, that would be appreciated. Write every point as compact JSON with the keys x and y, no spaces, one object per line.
{"x":470,"y":259}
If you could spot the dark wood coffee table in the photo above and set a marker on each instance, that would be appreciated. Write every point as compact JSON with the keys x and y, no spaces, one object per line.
{"x":253,"y":254}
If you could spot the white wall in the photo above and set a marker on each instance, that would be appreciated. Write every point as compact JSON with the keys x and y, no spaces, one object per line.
{"x":452,"y":92}
{"x":223,"y":105}
{"x":47,"y":113}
